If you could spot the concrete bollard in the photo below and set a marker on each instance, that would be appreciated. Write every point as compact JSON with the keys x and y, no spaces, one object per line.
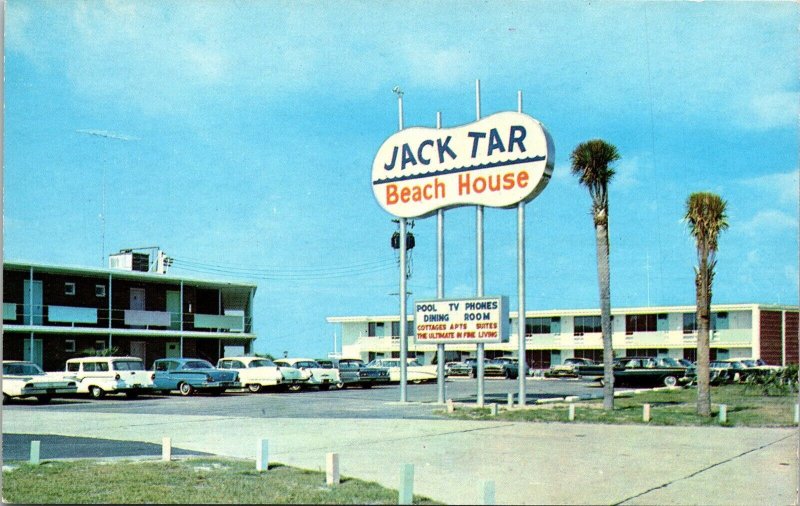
{"x":262,"y":455}
{"x":571,"y":413}
{"x":723,"y":413}
{"x":166,"y":449}
{"x":406,"y":495}
{"x":35,"y":447}
{"x":451,"y":408}
{"x":510,"y":400}
{"x":332,"y":469}
{"x":646,"y":413}
{"x":797,"y":413}
{"x":493,"y":407}
{"x":486,"y":492}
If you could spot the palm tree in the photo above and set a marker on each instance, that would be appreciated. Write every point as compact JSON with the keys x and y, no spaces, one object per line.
{"x":705,"y":213}
{"x":590,"y":162}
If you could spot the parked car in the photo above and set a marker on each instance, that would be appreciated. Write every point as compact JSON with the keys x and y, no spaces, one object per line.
{"x":567,"y":368}
{"x":26,"y":379}
{"x":190,"y":375}
{"x":354,"y":372}
{"x":313,"y":372}
{"x":416,"y":372}
{"x":255,"y":373}
{"x":760,"y":364}
{"x":685,"y":362}
{"x":506,"y":367}
{"x":99,"y":376}
{"x":639,"y":371}
{"x":460,"y":369}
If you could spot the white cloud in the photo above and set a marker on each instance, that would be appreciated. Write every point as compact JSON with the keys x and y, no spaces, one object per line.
{"x":781,"y":186}
{"x":768,"y":221}
{"x":773,"y":110}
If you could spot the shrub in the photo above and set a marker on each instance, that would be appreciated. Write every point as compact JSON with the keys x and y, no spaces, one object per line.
{"x":780,"y":382}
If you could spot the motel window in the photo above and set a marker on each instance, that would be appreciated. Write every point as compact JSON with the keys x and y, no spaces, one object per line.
{"x":395,"y":329}
{"x":100,"y":290}
{"x":640,"y":323}
{"x":586,"y":325}
{"x":719,"y":321}
{"x":69,"y":288}
{"x":373,"y":328}
{"x":547,"y":325}
{"x":689,"y":323}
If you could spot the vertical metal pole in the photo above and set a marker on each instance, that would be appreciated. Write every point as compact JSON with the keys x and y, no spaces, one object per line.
{"x":479,"y":255}
{"x":181,"y":319}
{"x":30,"y":308}
{"x":521,"y":320}
{"x":403,"y":320}
{"x":440,"y":379}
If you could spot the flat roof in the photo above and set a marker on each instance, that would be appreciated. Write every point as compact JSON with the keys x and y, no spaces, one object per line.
{"x":585,"y":312}
{"x":119,"y":273}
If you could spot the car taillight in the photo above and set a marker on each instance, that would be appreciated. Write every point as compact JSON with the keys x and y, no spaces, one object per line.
{"x":116,"y":377}
{"x":153,"y":376}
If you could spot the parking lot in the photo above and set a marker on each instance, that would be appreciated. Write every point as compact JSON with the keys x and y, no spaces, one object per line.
{"x":377,"y":402}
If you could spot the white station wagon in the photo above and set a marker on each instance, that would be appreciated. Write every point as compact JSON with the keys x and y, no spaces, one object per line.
{"x":256,"y":373}
{"x":98,"y":376}
{"x":26,"y":379}
{"x":315,"y":374}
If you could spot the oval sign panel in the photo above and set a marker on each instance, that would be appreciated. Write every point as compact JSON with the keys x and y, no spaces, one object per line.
{"x":497,"y":161}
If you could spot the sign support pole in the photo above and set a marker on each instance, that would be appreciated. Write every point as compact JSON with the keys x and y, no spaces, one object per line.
{"x":403,"y":320}
{"x":440,"y":378}
{"x":479,"y":256}
{"x":522,"y":320}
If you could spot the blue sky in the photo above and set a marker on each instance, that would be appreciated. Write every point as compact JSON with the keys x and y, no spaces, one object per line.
{"x":246,"y":133}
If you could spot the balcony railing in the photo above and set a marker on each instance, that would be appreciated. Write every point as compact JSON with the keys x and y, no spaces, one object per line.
{"x":15,"y":314}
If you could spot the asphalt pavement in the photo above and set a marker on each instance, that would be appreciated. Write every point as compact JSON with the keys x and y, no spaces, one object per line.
{"x":530,"y":463}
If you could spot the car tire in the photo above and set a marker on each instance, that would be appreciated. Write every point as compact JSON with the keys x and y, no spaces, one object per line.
{"x":471,"y":374}
{"x":670,"y":381}
{"x":96,"y":392}
{"x":43,"y":399}
{"x":340,"y":385}
{"x":294,"y":387}
{"x":254,"y":388}
{"x":417,"y":382}
{"x":601,"y":382}
{"x":507,"y":374}
{"x":6,"y":398}
{"x":185,"y":389}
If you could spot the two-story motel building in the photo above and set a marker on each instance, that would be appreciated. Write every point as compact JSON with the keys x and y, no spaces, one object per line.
{"x":762,"y":331}
{"x":52,"y":313}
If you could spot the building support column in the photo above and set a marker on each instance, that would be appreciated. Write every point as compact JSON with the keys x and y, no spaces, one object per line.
{"x":181,"y":318}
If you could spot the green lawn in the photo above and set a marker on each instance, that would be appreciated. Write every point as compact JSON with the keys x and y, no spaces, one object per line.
{"x":192,"y":481}
{"x":745,"y":408}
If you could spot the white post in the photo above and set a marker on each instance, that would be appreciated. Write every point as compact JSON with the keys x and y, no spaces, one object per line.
{"x":332,"y":469}
{"x":510,"y":400}
{"x":166,"y":449}
{"x":723,"y":413}
{"x":262,"y":455}
{"x":493,"y":407}
{"x":487,"y":492}
{"x":406,"y":495}
{"x":797,"y":413}
{"x":571,"y":413}
{"x":646,"y":413}
{"x":450,"y":406}
{"x":35,"y":447}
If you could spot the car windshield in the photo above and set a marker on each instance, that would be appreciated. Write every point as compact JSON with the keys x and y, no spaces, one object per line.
{"x":128,"y":365}
{"x":263,"y":362}
{"x":197,"y":364}
{"x":22,"y":369}
{"x":669,"y":362}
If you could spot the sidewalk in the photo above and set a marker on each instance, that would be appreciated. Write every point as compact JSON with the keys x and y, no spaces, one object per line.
{"x":529,"y":463}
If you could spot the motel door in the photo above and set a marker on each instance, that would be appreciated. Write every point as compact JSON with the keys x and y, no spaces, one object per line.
{"x":137,"y":299}
{"x":174,"y":309}
{"x":37,"y":356}
{"x":173,"y":350}
{"x":138,"y":349}
{"x":32,"y":302}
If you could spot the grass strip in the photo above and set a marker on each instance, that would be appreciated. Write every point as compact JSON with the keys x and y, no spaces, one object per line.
{"x":745,"y":408}
{"x":191,"y":481}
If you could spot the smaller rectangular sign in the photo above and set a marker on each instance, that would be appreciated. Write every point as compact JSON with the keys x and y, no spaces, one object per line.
{"x":474,"y":320}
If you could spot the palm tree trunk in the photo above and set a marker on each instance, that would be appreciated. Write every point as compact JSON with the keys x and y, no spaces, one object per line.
{"x":604,"y":283}
{"x":703,"y":284}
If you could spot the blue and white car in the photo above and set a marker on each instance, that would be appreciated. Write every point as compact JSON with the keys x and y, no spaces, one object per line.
{"x":190,"y":375}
